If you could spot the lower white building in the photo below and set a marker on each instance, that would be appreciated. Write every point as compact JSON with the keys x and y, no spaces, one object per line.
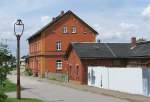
{"x":134,"y":80}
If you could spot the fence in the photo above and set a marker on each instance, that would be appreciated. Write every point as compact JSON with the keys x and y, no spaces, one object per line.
{"x":57,"y":76}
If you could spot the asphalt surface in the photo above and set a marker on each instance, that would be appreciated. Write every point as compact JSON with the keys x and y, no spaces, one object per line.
{"x":34,"y":88}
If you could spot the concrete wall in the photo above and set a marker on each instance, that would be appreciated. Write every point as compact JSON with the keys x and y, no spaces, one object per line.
{"x":128,"y":79}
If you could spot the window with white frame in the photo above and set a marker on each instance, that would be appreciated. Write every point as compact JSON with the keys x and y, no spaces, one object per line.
{"x":74,"y":29}
{"x":58,"y":46}
{"x":65,"y":29}
{"x":59,"y":64}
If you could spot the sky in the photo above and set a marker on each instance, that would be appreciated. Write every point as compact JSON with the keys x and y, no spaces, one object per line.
{"x":115,"y":20}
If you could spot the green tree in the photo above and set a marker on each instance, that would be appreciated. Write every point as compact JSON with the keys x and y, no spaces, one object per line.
{"x":5,"y":63}
{"x":5,"y":58}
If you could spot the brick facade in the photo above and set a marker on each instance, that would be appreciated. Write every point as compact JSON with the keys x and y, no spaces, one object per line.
{"x":42,"y":47}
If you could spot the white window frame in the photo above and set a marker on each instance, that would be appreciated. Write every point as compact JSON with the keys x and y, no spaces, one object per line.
{"x":58,"y":64}
{"x":65,"y":30}
{"x":58,"y":45}
{"x":74,"y":29}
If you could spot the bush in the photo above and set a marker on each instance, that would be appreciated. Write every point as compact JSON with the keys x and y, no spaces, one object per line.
{"x":53,"y":78}
{"x":3,"y":97}
{"x":3,"y":75}
{"x":28,"y":72}
{"x":64,"y":77}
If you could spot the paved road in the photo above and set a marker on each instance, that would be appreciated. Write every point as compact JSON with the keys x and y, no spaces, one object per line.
{"x":55,"y":93}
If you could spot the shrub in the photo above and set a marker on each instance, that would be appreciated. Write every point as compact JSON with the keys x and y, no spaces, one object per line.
{"x":3,"y":97}
{"x":28,"y":72}
{"x":53,"y":78}
{"x":3,"y":75}
{"x":63,"y":77}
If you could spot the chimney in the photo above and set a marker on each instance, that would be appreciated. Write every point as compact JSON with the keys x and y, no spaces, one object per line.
{"x":53,"y":18}
{"x":62,"y":13}
{"x":133,"y":42}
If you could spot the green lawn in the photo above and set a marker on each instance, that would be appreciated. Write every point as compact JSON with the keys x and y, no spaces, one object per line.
{"x":10,"y":87}
{"x":23,"y":100}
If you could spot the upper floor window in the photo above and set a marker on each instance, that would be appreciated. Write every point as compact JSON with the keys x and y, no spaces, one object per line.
{"x":58,"y":46}
{"x":36,"y":47}
{"x":59,"y":64}
{"x":65,"y":29}
{"x":74,"y":29}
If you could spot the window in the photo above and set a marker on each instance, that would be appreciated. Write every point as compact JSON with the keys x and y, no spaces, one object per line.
{"x":59,"y":64}
{"x":65,"y":29}
{"x":35,"y":47}
{"x":70,"y":71}
{"x":74,"y":29}
{"x":58,"y":46}
{"x":38,"y":46}
{"x":30,"y":48}
{"x":77,"y":70}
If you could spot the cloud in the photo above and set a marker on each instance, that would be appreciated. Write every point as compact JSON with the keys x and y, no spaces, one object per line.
{"x":127,"y":26}
{"x":45,"y":19}
{"x":146,"y":11}
{"x":119,"y":33}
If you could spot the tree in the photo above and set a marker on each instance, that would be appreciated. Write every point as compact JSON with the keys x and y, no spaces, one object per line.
{"x":5,"y":60}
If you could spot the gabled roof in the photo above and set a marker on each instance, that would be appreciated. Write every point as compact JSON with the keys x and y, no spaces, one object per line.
{"x":111,"y":50}
{"x":142,"y":49}
{"x":58,"y":18}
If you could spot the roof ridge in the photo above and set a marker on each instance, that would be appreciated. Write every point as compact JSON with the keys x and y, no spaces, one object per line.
{"x":57,"y":18}
{"x":110,"y":49}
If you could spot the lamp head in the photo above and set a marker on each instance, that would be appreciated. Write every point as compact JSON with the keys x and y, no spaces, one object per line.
{"x":18,"y":27}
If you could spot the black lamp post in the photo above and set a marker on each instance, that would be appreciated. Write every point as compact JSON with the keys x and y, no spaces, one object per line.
{"x":18,"y":31}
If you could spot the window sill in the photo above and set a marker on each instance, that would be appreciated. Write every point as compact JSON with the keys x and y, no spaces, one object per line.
{"x":65,"y":33}
{"x":74,"y":32}
{"x":58,"y":50}
{"x":59,"y":68}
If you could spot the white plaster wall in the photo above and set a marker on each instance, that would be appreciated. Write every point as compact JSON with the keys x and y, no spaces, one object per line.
{"x":101,"y":75}
{"x":120,"y":79}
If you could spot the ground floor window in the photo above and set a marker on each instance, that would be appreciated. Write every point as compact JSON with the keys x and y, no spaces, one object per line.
{"x":59,"y":64}
{"x":70,"y":71}
{"x":77,"y":70}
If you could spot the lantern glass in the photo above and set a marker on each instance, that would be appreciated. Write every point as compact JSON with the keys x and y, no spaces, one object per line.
{"x":18,"y":28}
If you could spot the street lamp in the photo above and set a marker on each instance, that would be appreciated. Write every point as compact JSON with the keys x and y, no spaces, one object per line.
{"x":18,"y":31}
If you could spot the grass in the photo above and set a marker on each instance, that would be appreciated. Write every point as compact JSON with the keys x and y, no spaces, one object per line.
{"x":23,"y":100}
{"x":10,"y":87}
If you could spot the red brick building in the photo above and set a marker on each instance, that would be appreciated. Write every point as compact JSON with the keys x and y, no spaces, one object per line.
{"x":47,"y":46}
